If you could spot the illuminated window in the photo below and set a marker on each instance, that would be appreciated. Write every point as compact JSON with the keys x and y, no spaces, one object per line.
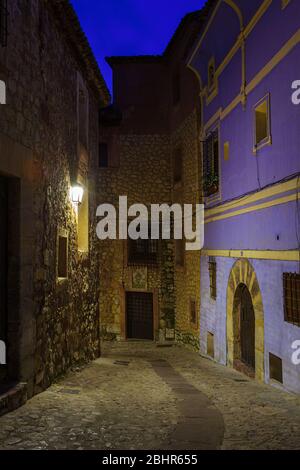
{"x":62,"y":255}
{"x":262,"y":123}
{"x":83,"y":223}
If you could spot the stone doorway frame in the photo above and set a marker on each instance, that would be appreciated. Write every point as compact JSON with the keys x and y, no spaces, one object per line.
{"x":123,"y":325}
{"x":243,"y":272}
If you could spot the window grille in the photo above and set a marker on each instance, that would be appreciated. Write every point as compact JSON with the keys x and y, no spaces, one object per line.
{"x":142,"y":252}
{"x":211,"y":164}
{"x":291,"y":291}
{"x":212,"y":267}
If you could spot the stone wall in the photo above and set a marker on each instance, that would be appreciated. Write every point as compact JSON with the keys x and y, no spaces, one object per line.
{"x":187,"y":277}
{"x":57,"y":322}
{"x":143,"y":175}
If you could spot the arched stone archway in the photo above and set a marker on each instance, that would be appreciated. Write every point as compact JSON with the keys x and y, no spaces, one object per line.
{"x":243,"y":273}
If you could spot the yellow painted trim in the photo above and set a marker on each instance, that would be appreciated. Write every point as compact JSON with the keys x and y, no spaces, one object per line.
{"x":212,"y":120}
{"x":205,"y":31}
{"x":293,"y":255}
{"x":237,"y":11}
{"x":258,"y":15}
{"x":258,"y":207}
{"x":260,"y":12}
{"x":284,"y":4}
{"x":263,"y":194}
{"x":284,"y":51}
{"x":246,"y":89}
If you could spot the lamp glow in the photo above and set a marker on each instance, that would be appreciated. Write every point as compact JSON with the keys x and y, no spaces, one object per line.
{"x":77,"y":194}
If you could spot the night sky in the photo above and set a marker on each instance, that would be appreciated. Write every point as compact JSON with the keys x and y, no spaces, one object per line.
{"x":130,"y":27}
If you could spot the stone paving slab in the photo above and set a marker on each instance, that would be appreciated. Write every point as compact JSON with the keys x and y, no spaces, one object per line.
{"x":121,"y":402}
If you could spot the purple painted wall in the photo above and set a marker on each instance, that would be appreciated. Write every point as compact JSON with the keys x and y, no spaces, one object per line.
{"x":272,"y":228}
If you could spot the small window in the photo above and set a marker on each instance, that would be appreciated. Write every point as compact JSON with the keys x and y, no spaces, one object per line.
{"x":193,"y":312}
{"x":83,"y":113}
{"x":210,"y":345}
{"x":291,"y":291}
{"x":275,"y":364}
{"x":142,"y":252}
{"x":83,"y":223}
{"x":177,"y":165}
{"x":212,"y":267}
{"x":211,"y":75}
{"x":62,"y":255}
{"x":103,"y":155}
{"x":3,"y":23}
{"x":179,"y":252}
{"x":211,"y":164}
{"x":262,"y":123}
{"x":176,"y":88}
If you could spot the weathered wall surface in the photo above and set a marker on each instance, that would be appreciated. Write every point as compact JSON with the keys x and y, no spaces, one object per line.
{"x":144,"y":176}
{"x":278,"y":334}
{"x":58,"y":322}
{"x":187,"y":277}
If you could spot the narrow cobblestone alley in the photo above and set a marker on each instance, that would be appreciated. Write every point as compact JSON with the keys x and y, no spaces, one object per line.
{"x":139,"y":396}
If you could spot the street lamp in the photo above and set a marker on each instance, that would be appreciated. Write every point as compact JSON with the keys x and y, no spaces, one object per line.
{"x":77,"y":194}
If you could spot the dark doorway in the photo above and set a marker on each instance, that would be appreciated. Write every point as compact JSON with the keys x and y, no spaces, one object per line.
{"x":247,"y":325}
{"x":139,"y":315}
{"x":3,"y":267}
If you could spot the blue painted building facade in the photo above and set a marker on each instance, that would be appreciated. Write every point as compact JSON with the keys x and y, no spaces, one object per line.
{"x":246,"y":58}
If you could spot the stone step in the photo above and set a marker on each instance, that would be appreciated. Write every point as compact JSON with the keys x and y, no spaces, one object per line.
{"x":12,"y":396}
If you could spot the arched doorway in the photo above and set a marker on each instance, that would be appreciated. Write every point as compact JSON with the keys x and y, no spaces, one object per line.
{"x":244,"y":331}
{"x":245,"y":321}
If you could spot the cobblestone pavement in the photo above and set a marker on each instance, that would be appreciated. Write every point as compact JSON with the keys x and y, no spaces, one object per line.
{"x":139,"y":396}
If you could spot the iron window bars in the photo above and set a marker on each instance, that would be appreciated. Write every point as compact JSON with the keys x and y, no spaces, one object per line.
{"x":143,"y":252}
{"x":211,"y":164}
{"x":291,"y":288}
{"x":212,"y":267}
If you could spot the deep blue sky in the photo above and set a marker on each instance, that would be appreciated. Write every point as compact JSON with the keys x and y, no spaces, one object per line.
{"x":130,"y":27}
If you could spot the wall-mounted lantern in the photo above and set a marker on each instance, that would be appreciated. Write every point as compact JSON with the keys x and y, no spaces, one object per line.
{"x":77,"y":192}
